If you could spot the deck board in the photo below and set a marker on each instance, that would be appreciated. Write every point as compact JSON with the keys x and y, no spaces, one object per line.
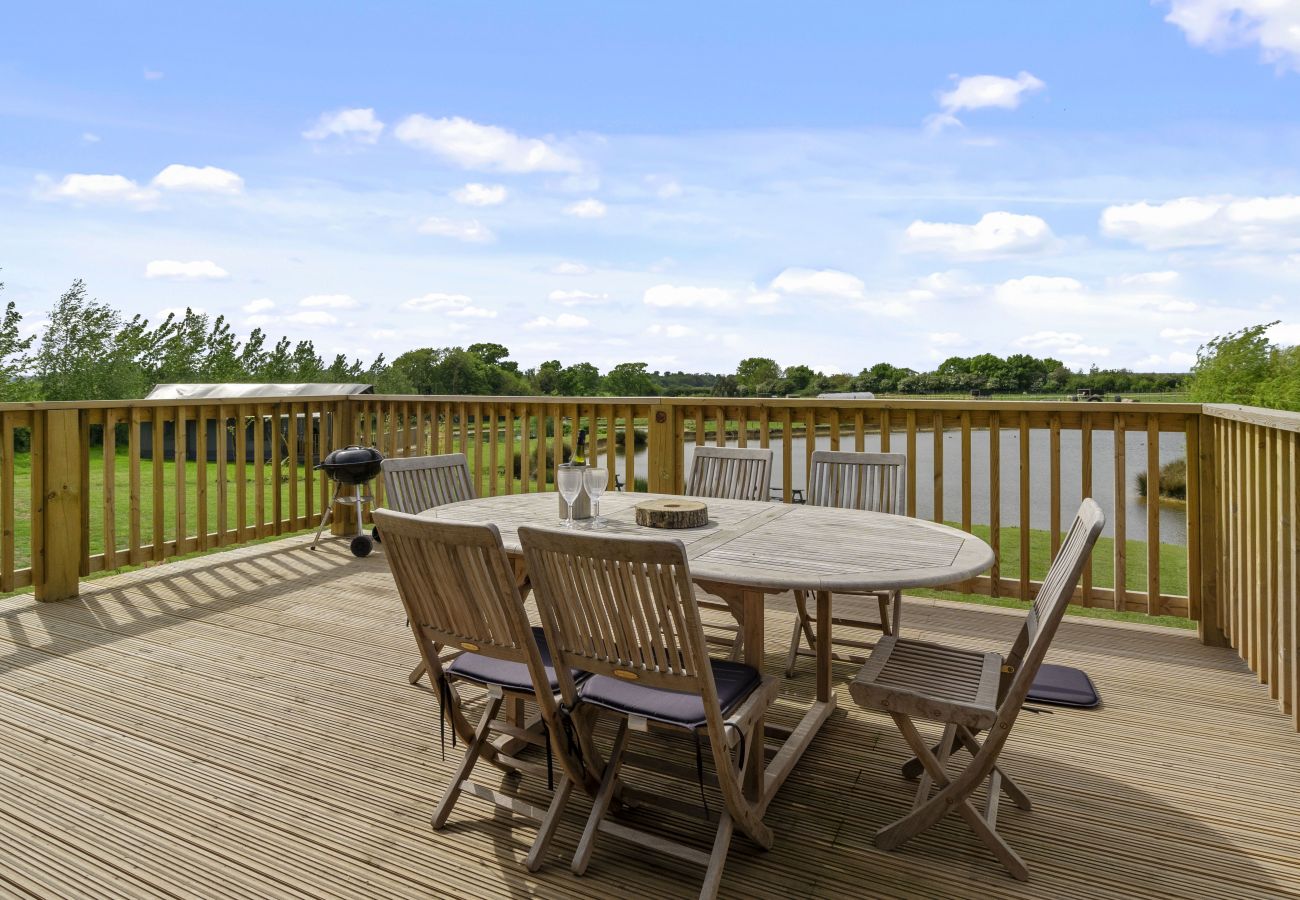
{"x":240,"y":725}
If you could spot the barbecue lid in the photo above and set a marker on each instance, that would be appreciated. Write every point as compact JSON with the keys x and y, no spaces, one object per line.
{"x":353,"y":455}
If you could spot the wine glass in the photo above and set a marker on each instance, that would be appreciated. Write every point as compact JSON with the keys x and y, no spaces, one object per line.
{"x":594,"y":480}
{"x":568,"y":480}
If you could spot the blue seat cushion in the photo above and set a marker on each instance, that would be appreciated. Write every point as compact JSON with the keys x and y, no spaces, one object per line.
{"x":1063,"y":686}
{"x":735,"y":682}
{"x":513,"y":676}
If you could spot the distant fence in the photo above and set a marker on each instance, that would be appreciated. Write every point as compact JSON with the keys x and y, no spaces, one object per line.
{"x":109,"y":484}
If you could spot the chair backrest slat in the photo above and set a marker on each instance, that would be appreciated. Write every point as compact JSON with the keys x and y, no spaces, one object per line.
{"x":619,"y":606}
{"x":868,"y":481}
{"x":730,"y":473}
{"x":456,"y":583}
{"x":416,"y":483}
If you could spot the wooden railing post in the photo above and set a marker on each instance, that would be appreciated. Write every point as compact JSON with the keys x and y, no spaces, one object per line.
{"x":58,"y":507}
{"x":1207,"y":511}
{"x":661,"y":450}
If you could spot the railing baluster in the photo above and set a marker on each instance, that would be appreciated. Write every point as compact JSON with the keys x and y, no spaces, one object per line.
{"x":1025,"y":511}
{"x":995,"y":502}
{"x":109,"y":502}
{"x":938,"y":466}
{"x":1120,"y":600}
{"x":1085,"y":488}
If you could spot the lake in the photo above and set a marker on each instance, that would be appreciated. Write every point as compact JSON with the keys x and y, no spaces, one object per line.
{"x":1173,"y":518}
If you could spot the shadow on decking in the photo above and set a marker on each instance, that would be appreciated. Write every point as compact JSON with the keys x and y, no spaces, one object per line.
{"x":248,"y":714}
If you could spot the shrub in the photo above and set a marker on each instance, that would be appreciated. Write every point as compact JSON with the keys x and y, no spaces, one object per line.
{"x":532,"y":462}
{"x":1173,"y":481}
{"x":638,"y":439}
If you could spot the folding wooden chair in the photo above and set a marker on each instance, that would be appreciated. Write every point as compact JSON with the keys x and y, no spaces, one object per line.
{"x":870,"y":481}
{"x":624,"y":610}
{"x":459,"y":590}
{"x":729,"y":473}
{"x":970,"y":692}
{"x":413,"y":484}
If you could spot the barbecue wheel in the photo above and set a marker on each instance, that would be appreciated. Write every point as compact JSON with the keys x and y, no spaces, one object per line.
{"x":374,"y":533}
{"x":362,"y":545}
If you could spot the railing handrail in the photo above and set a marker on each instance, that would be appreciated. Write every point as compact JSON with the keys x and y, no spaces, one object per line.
{"x":1254,"y":415}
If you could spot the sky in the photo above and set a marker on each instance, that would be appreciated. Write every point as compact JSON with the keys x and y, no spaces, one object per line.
{"x":685,"y":184}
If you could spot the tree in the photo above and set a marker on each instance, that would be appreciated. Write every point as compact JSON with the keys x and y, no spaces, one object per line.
{"x":494,"y":355}
{"x":548,"y":377}
{"x":757,"y":373}
{"x":882,"y":378}
{"x":15,"y":361}
{"x":629,"y":380}
{"x":89,"y":353}
{"x":1231,"y":367}
{"x":580,"y":380}
{"x":798,"y":378}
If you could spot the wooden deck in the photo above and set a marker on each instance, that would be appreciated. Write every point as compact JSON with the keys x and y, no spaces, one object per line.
{"x":240,"y":725}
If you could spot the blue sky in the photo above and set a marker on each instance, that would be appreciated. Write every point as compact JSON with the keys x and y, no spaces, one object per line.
{"x":684,"y":184}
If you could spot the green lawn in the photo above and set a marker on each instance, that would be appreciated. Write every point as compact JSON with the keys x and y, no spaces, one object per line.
{"x":1173,"y":565}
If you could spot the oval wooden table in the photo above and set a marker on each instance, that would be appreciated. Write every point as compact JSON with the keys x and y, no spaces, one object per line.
{"x":750,"y":549}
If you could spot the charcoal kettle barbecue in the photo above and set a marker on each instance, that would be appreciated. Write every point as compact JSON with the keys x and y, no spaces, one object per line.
{"x":349,"y":466}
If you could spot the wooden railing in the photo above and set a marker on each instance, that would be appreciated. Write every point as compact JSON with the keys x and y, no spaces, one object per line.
{"x":1250,"y":516}
{"x":110,"y":484}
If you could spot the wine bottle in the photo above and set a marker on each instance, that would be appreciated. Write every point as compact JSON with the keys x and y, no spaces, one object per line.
{"x":580,"y":454}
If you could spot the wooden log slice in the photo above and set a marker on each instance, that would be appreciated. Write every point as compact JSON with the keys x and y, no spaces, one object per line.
{"x":672,"y":513}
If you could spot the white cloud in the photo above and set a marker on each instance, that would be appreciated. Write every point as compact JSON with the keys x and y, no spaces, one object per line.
{"x":995,"y":234}
{"x":384,"y":334}
{"x":152,"y":75}
{"x":210,"y":179}
{"x":1220,"y":24}
{"x":577,"y":298}
{"x":449,"y":305}
{"x":356,"y":124}
{"x":1060,"y":343}
{"x":1285,"y":333}
{"x":570,"y":268}
{"x":474,"y":194}
{"x":948,"y":339}
{"x":471,"y":231}
{"x":819,"y":283}
{"x":329,"y":301}
{"x":591,"y":208}
{"x":982,"y":92}
{"x":943,"y":286}
{"x":563,"y":321}
{"x":259,"y":320}
{"x":1143,"y":279}
{"x":688,"y":297}
{"x":312,"y":317}
{"x":1177,"y":361}
{"x":1185,"y":335}
{"x":103,"y":188}
{"x":1203,"y":221}
{"x":259,"y":305}
{"x":1058,"y":294}
{"x":90,"y":137}
{"x":670,"y":331}
{"x":483,"y":147}
{"x":664,"y":186}
{"x":1042,"y":340}
{"x":196,"y":270}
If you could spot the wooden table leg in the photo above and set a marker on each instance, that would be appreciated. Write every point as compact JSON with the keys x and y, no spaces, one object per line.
{"x":752,"y":629}
{"x":823,"y":646}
